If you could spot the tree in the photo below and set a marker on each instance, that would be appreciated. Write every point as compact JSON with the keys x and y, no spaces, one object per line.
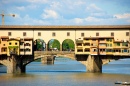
{"x":68,"y":44}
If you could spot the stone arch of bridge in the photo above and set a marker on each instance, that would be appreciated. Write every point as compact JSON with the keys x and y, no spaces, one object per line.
{"x":4,"y":63}
{"x":25,"y":64}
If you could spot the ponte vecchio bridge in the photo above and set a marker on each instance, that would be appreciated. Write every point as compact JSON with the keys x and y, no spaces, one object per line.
{"x":93,"y":45}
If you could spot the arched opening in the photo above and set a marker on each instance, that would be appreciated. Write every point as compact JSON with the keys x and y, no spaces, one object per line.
{"x":39,"y":45}
{"x":68,"y":45}
{"x":53,"y":45}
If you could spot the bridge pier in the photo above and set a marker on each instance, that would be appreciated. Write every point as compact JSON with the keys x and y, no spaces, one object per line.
{"x":14,"y":65}
{"x":94,"y":63}
{"x":48,"y":60}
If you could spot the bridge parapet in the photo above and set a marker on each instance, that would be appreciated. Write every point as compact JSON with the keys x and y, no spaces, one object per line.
{"x":69,"y":54}
{"x":53,"y":52}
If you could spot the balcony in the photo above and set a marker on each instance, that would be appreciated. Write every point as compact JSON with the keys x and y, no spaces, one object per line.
{"x":109,"y":51}
{"x":86,"y":40}
{"x":79,"y":41}
{"x":117,"y":53}
{"x":102,"y":45}
{"x":102,"y":41}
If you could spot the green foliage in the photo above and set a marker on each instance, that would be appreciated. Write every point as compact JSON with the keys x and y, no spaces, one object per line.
{"x":12,"y":46}
{"x":68,"y":44}
{"x":39,"y":44}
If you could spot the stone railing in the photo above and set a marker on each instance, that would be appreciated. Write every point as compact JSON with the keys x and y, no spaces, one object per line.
{"x":53,"y":52}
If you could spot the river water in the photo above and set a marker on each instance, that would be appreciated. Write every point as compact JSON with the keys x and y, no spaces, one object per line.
{"x":67,"y":72}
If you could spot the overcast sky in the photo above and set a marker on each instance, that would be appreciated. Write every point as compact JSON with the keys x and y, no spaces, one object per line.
{"x":66,"y":12}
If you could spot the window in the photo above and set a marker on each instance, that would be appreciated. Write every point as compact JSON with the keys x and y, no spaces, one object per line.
{"x":125,"y":44}
{"x":94,"y":50}
{"x":107,"y":45}
{"x":15,"y":43}
{"x":79,"y":44}
{"x":82,"y":34}
{"x":97,"y":34}
{"x":112,"y":33}
{"x":53,"y":34}
{"x":118,"y":44}
{"x":110,"y":40}
{"x":27,"y":44}
{"x":127,"y":33}
{"x":24,"y":34}
{"x":80,"y":50}
{"x":109,"y":50}
{"x":86,"y":44}
{"x":39,"y":33}
{"x":21,"y":50}
{"x":87,"y":50}
{"x":21,"y":43}
{"x":125,"y":50}
{"x":27,"y":50}
{"x":9,"y":43}
{"x":110,"y":45}
{"x":68,"y":33}
{"x":9,"y":33}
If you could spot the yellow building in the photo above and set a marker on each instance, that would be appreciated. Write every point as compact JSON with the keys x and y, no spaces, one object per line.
{"x":102,"y":46}
{"x":13,"y":47}
{"x":117,"y":48}
{"x":22,"y":50}
{"x":28,"y":46}
{"x":121,"y":48}
{"x":79,"y":46}
{"x":91,"y":45}
{"x":3,"y":45}
{"x":109,"y":45}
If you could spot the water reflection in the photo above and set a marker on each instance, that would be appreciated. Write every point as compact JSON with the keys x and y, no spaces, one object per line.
{"x":66,"y":72}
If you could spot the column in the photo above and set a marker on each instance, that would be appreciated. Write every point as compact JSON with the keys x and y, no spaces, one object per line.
{"x":15,"y":65}
{"x":48,"y":60}
{"x":60,"y":47}
{"x":46,"y":47}
{"x":94,"y":64}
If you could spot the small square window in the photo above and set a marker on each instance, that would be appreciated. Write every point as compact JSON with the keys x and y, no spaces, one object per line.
{"x":97,"y":34}
{"x":39,"y":33}
{"x":82,"y":34}
{"x":9,"y":43}
{"x":53,"y":34}
{"x":127,"y":33}
{"x":9,"y":34}
{"x":15,"y":43}
{"x":112,"y":33}
{"x":68,"y":33}
{"x":24,"y":34}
